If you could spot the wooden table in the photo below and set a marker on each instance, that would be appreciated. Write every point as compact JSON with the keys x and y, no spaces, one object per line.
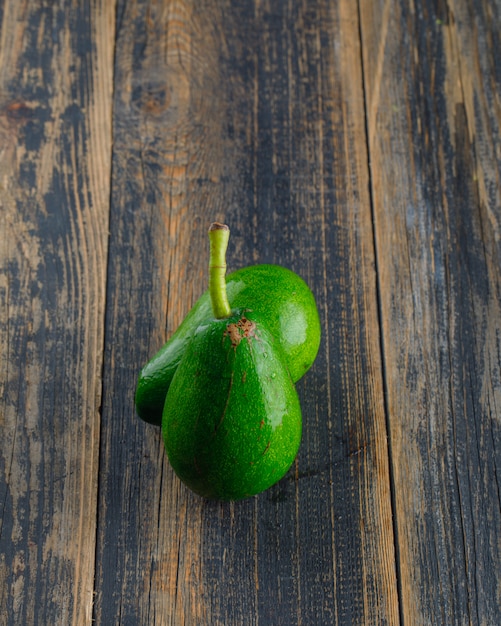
{"x":357,"y":143}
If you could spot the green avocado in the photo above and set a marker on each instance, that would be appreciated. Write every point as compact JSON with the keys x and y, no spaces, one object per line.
{"x":232,"y":420}
{"x":287,"y":309}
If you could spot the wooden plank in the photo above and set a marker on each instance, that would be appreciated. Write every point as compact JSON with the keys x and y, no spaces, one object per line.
{"x":432,"y":88}
{"x":167,"y":164}
{"x":253,"y":114}
{"x":55,"y":157}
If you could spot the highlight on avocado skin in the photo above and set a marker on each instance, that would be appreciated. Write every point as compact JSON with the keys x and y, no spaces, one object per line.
{"x":223,"y":386}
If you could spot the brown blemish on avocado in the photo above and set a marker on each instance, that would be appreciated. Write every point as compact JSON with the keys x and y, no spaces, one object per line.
{"x":243,"y":329}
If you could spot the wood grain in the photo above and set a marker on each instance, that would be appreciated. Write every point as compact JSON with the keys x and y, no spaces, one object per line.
{"x":358,"y":144}
{"x":434,"y":119}
{"x":167,"y":165}
{"x":55,"y":127}
{"x":241,"y":125}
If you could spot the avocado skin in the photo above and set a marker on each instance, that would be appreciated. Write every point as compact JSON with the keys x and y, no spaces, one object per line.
{"x":232,"y":420}
{"x":288,"y":310}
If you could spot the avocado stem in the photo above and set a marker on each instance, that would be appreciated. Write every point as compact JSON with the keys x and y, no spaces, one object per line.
{"x":219,"y":235}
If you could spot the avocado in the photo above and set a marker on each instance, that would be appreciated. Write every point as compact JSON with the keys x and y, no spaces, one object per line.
{"x":286,"y":306}
{"x":232,"y":419}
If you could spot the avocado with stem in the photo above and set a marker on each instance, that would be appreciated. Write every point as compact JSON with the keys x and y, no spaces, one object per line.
{"x":286,"y":306}
{"x":232,"y":420}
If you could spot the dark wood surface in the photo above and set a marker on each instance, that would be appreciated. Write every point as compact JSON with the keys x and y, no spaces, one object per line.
{"x":357,"y":143}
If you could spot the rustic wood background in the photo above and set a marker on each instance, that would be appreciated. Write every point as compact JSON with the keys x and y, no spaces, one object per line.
{"x":359,"y":144}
